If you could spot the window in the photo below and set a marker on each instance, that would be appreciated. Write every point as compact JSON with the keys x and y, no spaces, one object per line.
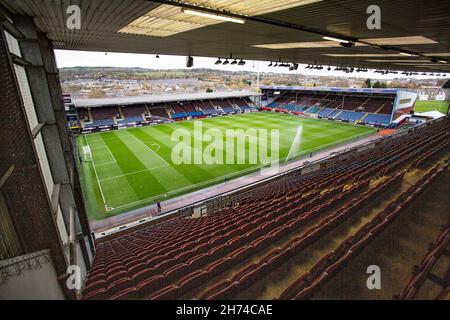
{"x":9,"y":243}
{"x":403,"y":101}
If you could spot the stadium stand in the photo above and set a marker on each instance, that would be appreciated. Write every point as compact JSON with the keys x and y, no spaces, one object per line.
{"x":83,"y":115}
{"x":104,"y":116}
{"x":310,"y":282}
{"x":170,"y":259}
{"x":224,"y":104}
{"x":386,"y":107}
{"x":158,"y":110}
{"x":134,"y":113}
{"x":243,"y":103}
{"x":349,"y":116}
{"x":190,"y":109}
{"x":352,"y":103}
{"x":178,"y":111}
{"x":377,"y":119}
{"x":375,"y":111}
{"x":374,"y":104}
{"x":313,"y":110}
{"x":334,"y":113}
{"x":325,"y":112}
{"x":207,"y":108}
{"x":422,"y":272}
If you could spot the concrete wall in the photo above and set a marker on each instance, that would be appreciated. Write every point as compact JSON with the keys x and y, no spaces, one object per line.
{"x":37,"y":278}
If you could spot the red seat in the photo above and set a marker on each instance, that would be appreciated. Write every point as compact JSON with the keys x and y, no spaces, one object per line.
{"x":125,"y":294}
{"x":218,"y":267}
{"x":223,"y":285}
{"x":168,"y":293}
{"x":149,"y":286}
{"x":198,"y":261}
{"x":242,"y":253}
{"x":175,"y":272}
{"x":99,"y":294}
{"x":192,"y":281}
{"x":119,"y":285}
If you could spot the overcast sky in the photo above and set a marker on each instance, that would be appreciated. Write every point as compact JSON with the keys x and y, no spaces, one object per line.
{"x":69,"y":58}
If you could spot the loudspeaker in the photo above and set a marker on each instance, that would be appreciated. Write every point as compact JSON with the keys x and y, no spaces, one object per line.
{"x":189,"y":61}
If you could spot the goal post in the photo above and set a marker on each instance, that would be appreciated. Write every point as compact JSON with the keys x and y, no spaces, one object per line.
{"x":87,"y":153}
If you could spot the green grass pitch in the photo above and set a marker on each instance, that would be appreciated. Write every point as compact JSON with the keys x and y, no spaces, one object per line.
{"x":132,"y":168}
{"x":431,"y":105}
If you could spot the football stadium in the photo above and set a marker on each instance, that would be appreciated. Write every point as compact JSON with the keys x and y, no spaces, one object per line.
{"x":279,"y":191}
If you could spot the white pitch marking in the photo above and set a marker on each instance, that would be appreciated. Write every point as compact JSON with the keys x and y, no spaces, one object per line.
{"x":152,"y":150}
{"x":188,"y":187}
{"x":96,"y":176}
{"x":135,"y":172}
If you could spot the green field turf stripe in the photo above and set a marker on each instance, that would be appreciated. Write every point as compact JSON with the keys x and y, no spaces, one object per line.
{"x":90,"y":188}
{"x":179,"y":172}
{"x":195,"y":173}
{"x":432,"y":105}
{"x":143,"y":184}
{"x":239,"y":154}
{"x":230,"y":124}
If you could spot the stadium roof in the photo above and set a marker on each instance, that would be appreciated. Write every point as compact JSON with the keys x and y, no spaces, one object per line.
{"x":102,"y":102}
{"x":333,"y":89}
{"x":429,"y":114}
{"x":290,"y":31}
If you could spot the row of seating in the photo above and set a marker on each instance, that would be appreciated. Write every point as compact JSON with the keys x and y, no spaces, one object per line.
{"x":422,"y":271}
{"x":103,"y":117}
{"x":309,"y":283}
{"x":377,"y":119}
{"x":371,"y":110}
{"x":350,"y":116}
{"x":378,"y":105}
{"x":108,"y":116}
{"x":296,"y":245}
{"x":249,"y":220}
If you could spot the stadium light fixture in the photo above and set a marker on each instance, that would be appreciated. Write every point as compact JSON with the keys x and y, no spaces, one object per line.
{"x":335,"y":39}
{"x":157,"y":56}
{"x":270,"y":64}
{"x":241,"y":63}
{"x":234,"y":62}
{"x":226,"y":62}
{"x":218,"y":61}
{"x":213,"y":16}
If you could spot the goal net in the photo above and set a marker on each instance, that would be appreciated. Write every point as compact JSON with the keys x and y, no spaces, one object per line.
{"x":87,"y":153}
